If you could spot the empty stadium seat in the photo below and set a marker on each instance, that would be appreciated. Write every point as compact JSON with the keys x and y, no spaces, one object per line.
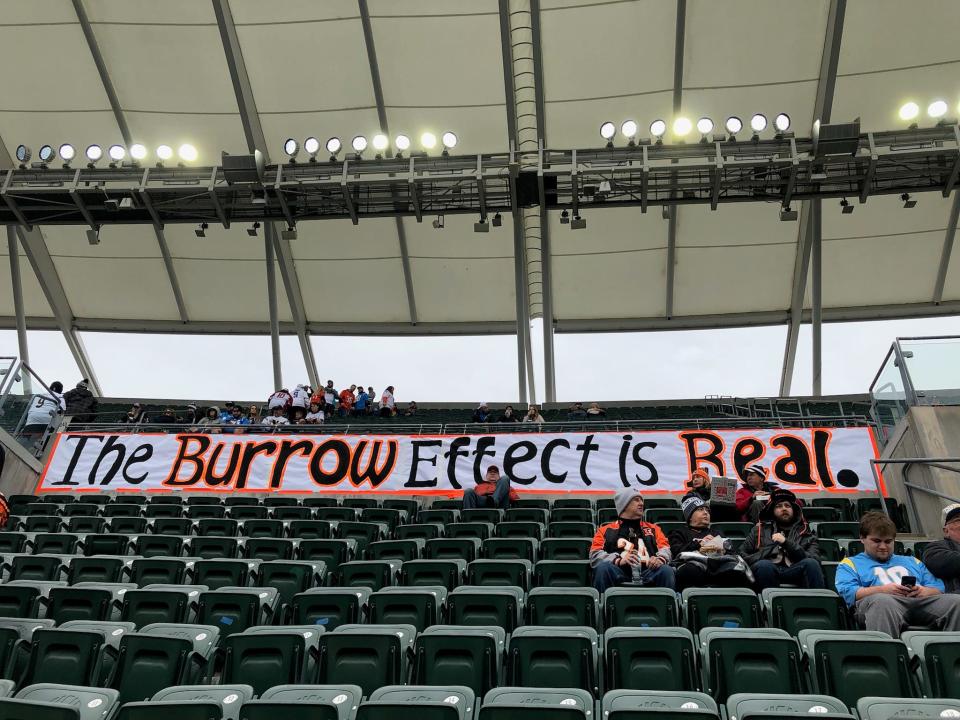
{"x":87,"y":601}
{"x":883,"y":708}
{"x":217,"y":527}
{"x":309,"y":529}
{"x":411,"y":507}
{"x":520,"y":703}
{"x":329,"y":606}
{"x":562,"y":573}
{"x":268,"y":656}
{"x":794,"y":609}
{"x":234,"y":609}
{"x":223,"y":573}
{"x":289,"y":577}
{"x":500,"y":572}
{"x":745,"y":659}
{"x":55,"y":543}
{"x":401,"y":550}
{"x":723,"y":607}
{"x":247,"y":512}
{"x":838,"y":530}
{"x":570,"y":529}
{"x":191,"y":702}
{"x":538,"y":515}
{"x":841,"y":504}
{"x":261,"y":528}
{"x":451,"y":702}
{"x":478,"y":530}
{"x":658,"y":705}
{"x":571,"y":514}
{"x":554,"y":657}
{"x":757,"y":706}
{"x":13,"y":542}
{"x":419,"y":531}
{"x":333,"y":553}
{"x":99,"y":568}
{"x":129,"y":525}
{"x":650,"y":659}
{"x":520,"y":529}
{"x":166,"y":570}
{"x":363,"y":533}
{"x":22,"y":599}
{"x":53,"y":701}
{"x":502,"y":606}
{"x":484,"y":515}
{"x":565,"y":548}
{"x":373,"y":574}
{"x":47,"y":568}
{"x":359,"y":503}
{"x":446,"y":573}
{"x":156,"y":658}
{"x":170,"y":526}
{"x":510,"y":549}
{"x":564,"y":606}
{"x":369,"y":656}
{"x":292,"y":702}
{"x":291,"y":512}
{"x":450,"y":548}
{"x":460,"y":655}
{"x":936,"y":655}
{"x":640,"y":607}
{"x":70,"y":657}
{"x":211,"y":548}
{"x":269,"y":549}
{"x":416,"y":606}
{"x":152,"y":604}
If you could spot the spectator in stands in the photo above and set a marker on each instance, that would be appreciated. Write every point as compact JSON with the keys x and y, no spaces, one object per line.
{"x":346,"y":401}
{"x":412,"y":408}
{"x":577,"y":412}
{"x":388,"y":403}
{"x":316,"y":415}
{"x":943,"y":556}
{"x":782,"y":548}
{"x":754,"y":493}
{"x":227,"y":412}
{"x":889,"y":591}
{"x":699,"y":485}
{"x":482,"y":414}
{"x":237,"y":418}
{"x":300,"y":398}
{"x":533,"y":415}
{"x":595,"y":411}
{"x":168,"y":417}
{"x":329,"y":398}
{"x":135,"y":415}
{"x":630,"y":550}
{"x":299,"y":416}
{"x":363,"y":399}
{"x":493,"y":491}
{"x":372,"y":405}
{"x":253,"y":415}
{"x":192,"y":416}
{"x":44,"y":409}
{"x":211,"y":419}
{"x":276,"y":417}
{"x":715,"y":563}
{"x":280,"y":399}
{"x":509,"y":416}
{"x":80,"y":402}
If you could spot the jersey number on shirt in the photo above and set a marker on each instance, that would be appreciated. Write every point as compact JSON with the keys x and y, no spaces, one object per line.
{"x":892,"y":575}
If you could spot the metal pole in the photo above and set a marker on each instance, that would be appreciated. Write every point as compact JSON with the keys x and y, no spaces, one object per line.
{"x":519,"y":272}
{"x":546,"y":280}
{"x":17,"y":287}
{"x":817,"y":314}
{"x":272,"y":302}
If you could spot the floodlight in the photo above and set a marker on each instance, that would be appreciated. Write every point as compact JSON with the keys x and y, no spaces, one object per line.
{"x":608,"y":130}
{"x":201,"y":231}
{"x":47,"y":154}
{"x":24,"y":153}
{"x":289,"y":234}
{"x":787,"y":215}
{"x":311,"y":146}
{"x":380,"y":142}
{"x":252,"y":230}
{"x":164,"y":152}
{"x":138,"y":151}
{"x":117,"y":152}
{"x":937,"y":109}
{"x":565,"y":218}
{"x":334,"y":145}
{"x":682,"y":126}
{"x":909,"y":111}
{"x":67,"y":152}
{"x":497,"y":220}
{"x":845,"y":207}
{"x":658,"y":128}
{"x":93,"y":236}
{"x":291,"y":147}
{"x":187,"y":152}
{"x":401,"y":142}
{"x":704,"y":126}
{"x":758,"y":123}
{"x":908,"y":202}
{"x":782,"y":122}
{"x":578,"y":223}
{"x":359,"y":144}
{"x":428,"y":141}
{"x":449,"y":140}
{"x":734,"y":125}
{"x":438,"y":223}
{"x":94,"y":153}
{"x":482,"y":226}
{"x":629,"y":129}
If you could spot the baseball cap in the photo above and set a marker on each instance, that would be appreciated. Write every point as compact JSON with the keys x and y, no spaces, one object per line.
{"x":950,"y":512}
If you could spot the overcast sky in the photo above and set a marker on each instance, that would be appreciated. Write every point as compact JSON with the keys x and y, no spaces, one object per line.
{"x":606,"y":367}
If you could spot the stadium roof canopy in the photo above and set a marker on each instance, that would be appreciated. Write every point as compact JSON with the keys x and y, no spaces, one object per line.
{"x":225,"y":75}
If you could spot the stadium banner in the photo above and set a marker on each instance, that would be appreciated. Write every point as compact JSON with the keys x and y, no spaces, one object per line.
{"x":805,"y":460}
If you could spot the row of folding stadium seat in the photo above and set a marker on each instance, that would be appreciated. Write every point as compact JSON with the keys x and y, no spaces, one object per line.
{"x":719,"y":662}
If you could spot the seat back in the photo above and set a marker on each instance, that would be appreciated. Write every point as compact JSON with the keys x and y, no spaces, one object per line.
{"x":95,"y":569}
{"x":658,"y":705}
{"x":143,"y":607}
{"x":717,"y":607}
{"x":149,"y":663}
{"x":499,"y":572}
{"x":83,"y":603}
{"x":266,"y":659}
{"x":650,"y":659}
{"x":453,"y":702}
{"x":330,"y":607}
{"x":640,"y":607}
{"x":938,"y":656}
{"x":521,"y":703}
{"x":553,"y":658}
{"x":70,"y":657}
{"x":742,"y":660}
{"x":794,"y":610}
{"x":460,"y":655}
{"x":564,"y":606}
{"x":420,"y":607}
{"x":368,"y":656}
{"x":472,"y":605}
{"x":316,"y":702}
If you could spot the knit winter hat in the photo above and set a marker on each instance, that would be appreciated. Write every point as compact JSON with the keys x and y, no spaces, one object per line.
{"x":701,"y":473}
{"x":690,"y":505}
{"x":623,"y":498}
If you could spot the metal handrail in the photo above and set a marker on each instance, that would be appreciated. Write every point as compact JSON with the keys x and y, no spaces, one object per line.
{"x":909,"y":463}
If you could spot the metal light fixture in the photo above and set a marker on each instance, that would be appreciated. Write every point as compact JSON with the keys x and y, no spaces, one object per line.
{"x":291,"y":147}
{"x":428,"y":141}
{"x":359,"y":144}
{"x":758,"y":123}
{"x":629,"y":130}
{"x":565,"y":218}
{"x":608,"y":130}
{"x":201,"y":232}
{"x":67,"y":153}
{"x":497,"y":220}
{"x":782,"y":122}
{"x":937,"y":109}
{"x":401,"y":143}
{"x":187,"y":152}
{"x":682,"y":126}
{"x":47,"y":154}
{"x":252,"y":230}
{"x":845,"y":207}
{"x":909,"y":111}
{"x":734,"y":125}
{"x":908,"y":202}
{"x":787,"y":215}
{"x":578,"y":223}
{"x":93,"y":153}
{"x":164,"y":152}
{"x":24,"y":154}
{"x":380,"y":142}
{"x":138,"y":151}
{"x":333,"y":147}
{"x":311,"y":146}
{"x":658,"y":128}
{"x":117,"y":153}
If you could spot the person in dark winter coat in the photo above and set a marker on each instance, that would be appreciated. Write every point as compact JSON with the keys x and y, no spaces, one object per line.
{"x":782,"y":548}
{"x":753,"y":493}
{"x":690,"y":539}
{"x":942,"y":557}
{"x":80,"y":402}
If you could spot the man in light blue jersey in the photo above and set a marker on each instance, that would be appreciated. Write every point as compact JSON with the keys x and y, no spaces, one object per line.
{"x":890,"y":591}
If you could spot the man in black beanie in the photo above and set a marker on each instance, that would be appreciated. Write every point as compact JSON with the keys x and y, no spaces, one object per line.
{"x":782,"y":548}
{"x":699,"y":537}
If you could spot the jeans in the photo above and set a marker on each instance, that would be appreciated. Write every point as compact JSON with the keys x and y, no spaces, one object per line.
{"x":807,"y":574}
{"x":606,"y":575}
{"x":499,"y":498}
{"x":889,"y":613}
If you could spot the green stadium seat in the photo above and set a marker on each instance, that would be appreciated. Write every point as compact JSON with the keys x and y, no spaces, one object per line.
{"x":223,"y":573}
{"x":369,"y":656}
{"x":42,"y":523}
{"x":659,"y":515}
{"x":658,"y":503}
{"x":669,"y":527}
{"x":336,"y":514}
{"x":247,"y":512}
{"x":148,"y":662}
{"x":277,"y":501}
{"x":794,"y":609}
{"x":500,"y":572}
{"x":203,"y":500}
{"x":474,"y":530}
{"x":86,"y":524}
{"x":384,"y":516}
{"x":309,"y":529}
{"x":80,"y":508}
{"x":154,"y":570}
{"x":658,"y":705}
{"x":261,"y":528}
{"x":269,"y":656}
{"x":53,"y":701}
{"x":70,"y":657}
{"x":650,"y":659}
{"x":12,"y":543}
{"x":269,"y":549}
{"x":521,"y":530}
{"x":162,"y":511}
{"x":87,"y":601}
{"x":850,"y":665}
{"x":918,"y":547}
{"x":130,"y":525}
{"x":46,"y":568}
{"x":838,"y":530}
{"x":178,"y":500}
{"x":288,"y":513}
{"x":191,"y":702}
{"x":822,"y":514}
{"x":22,"y":599}
{"x":502,"y":606}
{"x":733,"y":530}
{"x":411,"y":507}
{"x":112,"y":631}
{"x":360,"y":503}
{"x":319,"y":501}
{"x":201,"y":512}
{"x":607,"y":515}
{"x":100,"y":568}
{"x":573,"y":502}
{"x":510,"y":549}
{"x":536,"y":503}
{"x":855,"y":547}
{"x":170,"y":526}
{"x":446,"y":573}
{"x":640,"y":607}
{"x":583,"y":515}
{"x":564,"y":606}
{"x":373,"y":574}
{"x":363,"y":533}
{"x":447,"y":504}
{"x":482,"y":515}
{"x":329,"y":607}
{"x":234,"y":609}
{"x":829,"y":573}
{"x":418,"y":606}
{"x":301,"y":702}
{"x":936,"y":657}
{"x":883,"y":708}
{"x":39,"y":509}
{"x":565,"y":548}
{"x":333,"y":553}
{"x":554,"y":657}
{"x":721,"y":607}
{"x":419,"y":531}
{"x":830,"y":550}
{"x":760,"y":706}
{"x":15,"y":638}
{"x":452,"y":548}
{"x":527,"y":514}
{"x":55,"y":543}
{"x":290,"y":577}
{"x":460,"y":655}
{"x":401,"y":550}
{"x":562,"y":573}
{"x":204,"y":637}
{"x":744,"y":659}
{"x":211,"y":548}
{"x":451,"y":702}
{"x":124,"y":509}
{"x":520,"y":703}
{"x":444,"y":517}
{"x":151,"y":605}
{"x":106,"y":544}
{"x":571,"y":529}
{"x":217,"y":527}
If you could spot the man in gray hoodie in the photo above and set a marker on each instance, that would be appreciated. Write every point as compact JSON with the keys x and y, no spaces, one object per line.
{"x":942,"y":557}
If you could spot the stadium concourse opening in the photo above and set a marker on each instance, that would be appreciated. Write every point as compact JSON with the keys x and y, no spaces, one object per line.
{"x":445,"y":168}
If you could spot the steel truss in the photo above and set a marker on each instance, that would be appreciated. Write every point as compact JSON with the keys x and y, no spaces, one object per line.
{"x":781,"y":170}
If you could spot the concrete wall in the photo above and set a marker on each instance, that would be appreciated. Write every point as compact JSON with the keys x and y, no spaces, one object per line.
{"x":21,"y":470}
{"x":926,"y":432}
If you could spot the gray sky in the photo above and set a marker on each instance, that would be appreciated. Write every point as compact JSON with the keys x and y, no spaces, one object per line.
{"x":605,"y":367}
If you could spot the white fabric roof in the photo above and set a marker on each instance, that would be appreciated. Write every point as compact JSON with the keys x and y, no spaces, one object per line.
{"x":441,"y":67}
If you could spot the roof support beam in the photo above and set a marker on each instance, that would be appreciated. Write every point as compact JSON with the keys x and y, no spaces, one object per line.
{"x":823,"y":106}
{"x":253,"y":131}
{"x":385,"y":128}
{"x":816,"y":314}
{"x":947,"y":249}
{"x":274,"y":319}
{"x":16,"y":286}
{"x":677,"y":102}
{"x":121,"y":119}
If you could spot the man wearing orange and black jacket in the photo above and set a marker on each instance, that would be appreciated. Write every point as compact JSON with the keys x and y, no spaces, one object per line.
{"x":630,"y":550}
